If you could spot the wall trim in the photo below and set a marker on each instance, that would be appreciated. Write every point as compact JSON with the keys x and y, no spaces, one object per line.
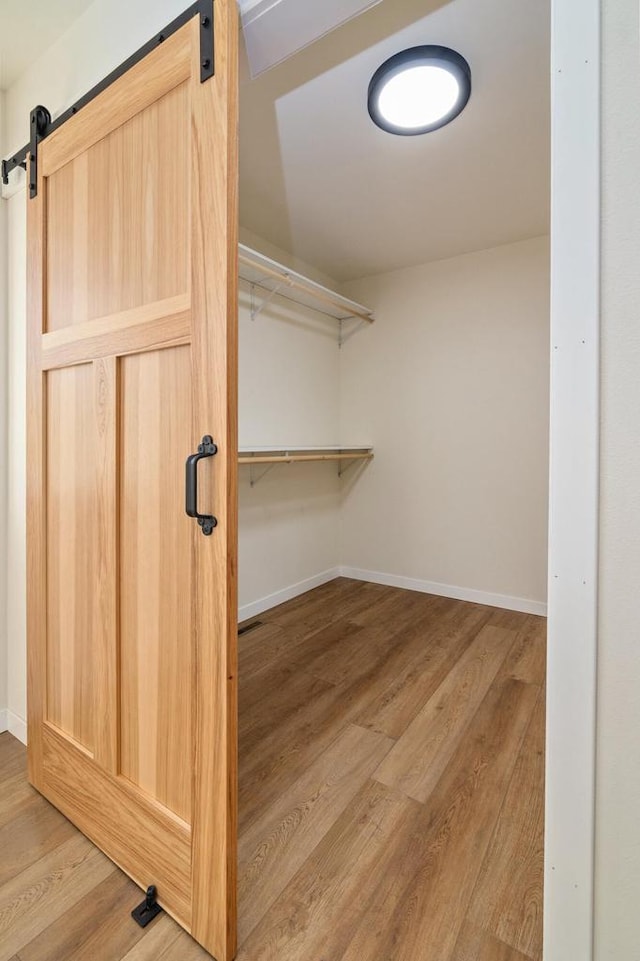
{"x":504,"y":601}
{"x":574,"y":480}
{"x":13,"y":724}
{"x":286,"y":594}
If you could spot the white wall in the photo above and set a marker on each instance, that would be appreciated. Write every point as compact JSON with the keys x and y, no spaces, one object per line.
{"x":617,"y":890}
{"x":3,"y":446}
{"x":451,"y":386}
{"x":289,"y":395}
{"x":16,"y":486}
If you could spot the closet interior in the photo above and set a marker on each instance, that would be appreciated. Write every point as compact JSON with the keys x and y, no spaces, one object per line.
{"x":393,"y":463}
{"x":393,"y":408}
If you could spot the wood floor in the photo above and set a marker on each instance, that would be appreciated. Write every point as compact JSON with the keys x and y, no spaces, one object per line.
{"x":391,"y":797}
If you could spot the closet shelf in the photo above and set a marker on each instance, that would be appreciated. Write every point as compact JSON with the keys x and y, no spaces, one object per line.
{"x":273,"y":278}
{"x":289,"y":455}
{"x":270,"y":456}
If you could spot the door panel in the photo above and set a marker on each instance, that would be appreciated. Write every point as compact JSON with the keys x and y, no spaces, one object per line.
{"x":111,"y":252}
{"x":156,"y":577}
{"x":132,"y":359}
{"x":71,"y":558}
{"x":128,"y":827}
{"x":68,"y":244}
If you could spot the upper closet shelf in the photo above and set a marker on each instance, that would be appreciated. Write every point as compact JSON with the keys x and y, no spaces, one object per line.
{"x":273,"y":278}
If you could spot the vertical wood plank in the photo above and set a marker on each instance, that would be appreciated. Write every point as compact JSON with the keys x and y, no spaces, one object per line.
{"x":35,"y":499}
{"x":71,"y":551}
{"x":105,"y":608}
{"x":156,"y":577}
{"x":214,"y":303}
{"x":82,"y":246}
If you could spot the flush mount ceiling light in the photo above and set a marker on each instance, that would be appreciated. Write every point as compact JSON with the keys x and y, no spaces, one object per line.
{"x":419,"y":90}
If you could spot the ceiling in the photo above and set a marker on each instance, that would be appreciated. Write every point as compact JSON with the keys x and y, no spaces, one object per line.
{"x":27,"y":29}
{"x":321,"y":181}
{"x":273,"y":30}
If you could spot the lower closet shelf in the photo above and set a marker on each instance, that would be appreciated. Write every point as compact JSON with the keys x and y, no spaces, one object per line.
{"x":288,"y":455}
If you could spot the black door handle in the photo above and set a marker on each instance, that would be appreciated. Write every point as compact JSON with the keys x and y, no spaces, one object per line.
{"x":206,"y":449}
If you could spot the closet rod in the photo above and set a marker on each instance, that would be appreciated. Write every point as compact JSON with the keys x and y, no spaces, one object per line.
{"x":290,"y":281}
{"x":292,"y":458}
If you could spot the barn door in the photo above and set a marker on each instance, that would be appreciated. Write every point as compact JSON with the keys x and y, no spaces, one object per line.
{"x":132,"y":368}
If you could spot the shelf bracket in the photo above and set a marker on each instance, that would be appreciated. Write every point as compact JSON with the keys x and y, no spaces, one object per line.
{"x":255,"y":311}
{"x":350,"y":461}
{"x":342,"y":337}
{"x":253,"y":480}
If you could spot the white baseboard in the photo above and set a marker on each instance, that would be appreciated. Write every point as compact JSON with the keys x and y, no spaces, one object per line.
{"x":287,"y":594}
{"x":522,"y":604}
{"x":14,"y":724}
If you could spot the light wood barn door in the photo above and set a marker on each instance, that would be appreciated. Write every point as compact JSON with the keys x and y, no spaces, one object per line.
{"x":132,"y":360}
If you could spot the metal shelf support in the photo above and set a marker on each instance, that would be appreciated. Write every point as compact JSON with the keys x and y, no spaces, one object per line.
{"x":255,"y":311}
{"x":253,"y":479}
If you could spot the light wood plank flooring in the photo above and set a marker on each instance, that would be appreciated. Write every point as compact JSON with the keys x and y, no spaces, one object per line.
{"x":391,"y":797}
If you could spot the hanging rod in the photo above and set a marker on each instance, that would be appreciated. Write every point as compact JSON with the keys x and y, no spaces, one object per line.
{"x":41,"y":124}
{"x":296,"y":458}
{"x":271,"y":454}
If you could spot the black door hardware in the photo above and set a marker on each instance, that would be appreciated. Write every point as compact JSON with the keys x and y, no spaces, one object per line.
{"x":148,"y":909}
{"x":41,"y":123}
{"x":40,"y":120}
{"x":206,"y":449}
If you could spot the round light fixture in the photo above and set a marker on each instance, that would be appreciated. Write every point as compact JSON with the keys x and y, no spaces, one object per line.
{"x":419,"y":90}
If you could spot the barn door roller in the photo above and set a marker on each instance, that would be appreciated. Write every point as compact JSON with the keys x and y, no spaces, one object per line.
{"x":41,"y":124}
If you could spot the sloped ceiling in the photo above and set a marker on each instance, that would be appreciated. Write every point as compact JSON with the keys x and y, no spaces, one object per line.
{"x":319,"y":180}
{"x":276,"y":29}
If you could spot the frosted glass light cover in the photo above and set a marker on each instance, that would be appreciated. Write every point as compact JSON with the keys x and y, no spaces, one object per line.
{"x":419,"y":90}
{"x":418,"y":97}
